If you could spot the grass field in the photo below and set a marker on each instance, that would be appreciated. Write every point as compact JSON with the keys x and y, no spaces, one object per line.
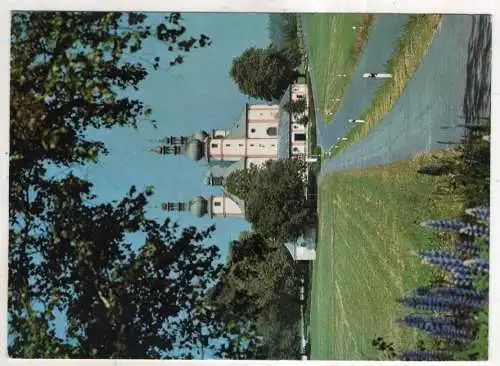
{"x":368,"y":226}
{"x":417,"y":36}
{"x":335,"y":49}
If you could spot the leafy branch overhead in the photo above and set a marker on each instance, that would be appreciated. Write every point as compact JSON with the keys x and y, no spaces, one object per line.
{"x":69,"y":252}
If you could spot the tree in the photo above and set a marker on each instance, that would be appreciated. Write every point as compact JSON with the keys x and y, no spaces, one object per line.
{"x":263,"y":72}
{"x":275,"y":201}
{"x":283,"y":32}
{"x":67,"y":252}
{"x":296,"y":106}
{"x":260,"y":288}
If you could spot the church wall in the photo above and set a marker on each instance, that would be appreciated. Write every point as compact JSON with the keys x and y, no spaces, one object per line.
{"x":298,"y":148}
{"x":297,"y":127}
{"x":258,"y":161}
{"x":262,"y":129}
{"x":225,"y":206}
{"x":299,"y":90}
{"x":257,"y":113}
{"x":222,"y":133}
{"x":262,"y":147}
{"x":235,"y":149}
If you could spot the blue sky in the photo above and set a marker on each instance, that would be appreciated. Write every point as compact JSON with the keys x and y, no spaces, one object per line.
{"x":198,"y":94}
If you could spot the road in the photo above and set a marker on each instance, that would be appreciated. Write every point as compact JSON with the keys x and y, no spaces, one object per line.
{"x":453,"y":81}
{"x":378,"y":50}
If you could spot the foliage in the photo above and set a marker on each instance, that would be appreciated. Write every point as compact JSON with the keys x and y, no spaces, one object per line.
{"x":283,"y":32}
{"x":260,"y":285}
{"x":263,"y":72}
{"x":386,"y":348}
{"x":482,"y":213}
{"x":458,"y":307}
{"x":70,"y":254}
{"x":296,"y":107}
{"x":275,"y":202}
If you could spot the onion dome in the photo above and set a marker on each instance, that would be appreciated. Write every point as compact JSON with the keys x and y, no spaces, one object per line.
{"x":194,"y":150}
{"x":201,"y":135}
{"x":198,"y":206}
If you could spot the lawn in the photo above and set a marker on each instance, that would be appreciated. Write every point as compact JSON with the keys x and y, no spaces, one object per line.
{"x":417,"y":36}
{"x":334,"y":49}
{"x":368,"y":226}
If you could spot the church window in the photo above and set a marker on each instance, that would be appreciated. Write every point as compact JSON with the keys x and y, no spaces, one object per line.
{"x":252,"y":130}
{"x":228,"y":145}
{"x":214,"y":146}
{"x":295,"y":149}
{"x":217,"y":203}
{"x":240,"y":145}
{"x":252,"y":145}
{"x":300,"y":137}
{"x":272,"y":131}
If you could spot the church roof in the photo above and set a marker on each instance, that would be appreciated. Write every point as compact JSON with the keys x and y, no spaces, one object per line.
{"x":239,"y":130}
{"x":223,"y":169}
{"x":237,"y":200}
{"x":284,"y":126}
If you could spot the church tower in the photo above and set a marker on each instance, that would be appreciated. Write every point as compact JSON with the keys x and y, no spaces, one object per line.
{"x":194,"y":147}
{"x":214,"y":206}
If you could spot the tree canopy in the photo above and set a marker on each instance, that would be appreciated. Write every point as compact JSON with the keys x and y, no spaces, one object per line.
{"x":263,"y":72}
{"x":283,"y":32}
{"x":69,"y":253}
{"x":274,"y":194}
{"x":261,"y":284}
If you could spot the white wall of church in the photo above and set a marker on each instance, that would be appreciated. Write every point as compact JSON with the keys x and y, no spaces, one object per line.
{"x":221,"y":133}
{"x":267,"y":148}
{"x":258,"y":161}
{"x":235,"y":149}
{"x":299,"y":91}
{"x":262,"y":129}
{"x":223,"y":206}
{"x":261,"y":112}
{"x":298,"y":127}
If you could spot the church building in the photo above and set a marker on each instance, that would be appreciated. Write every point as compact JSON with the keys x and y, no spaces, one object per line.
{"x":261,"y":132}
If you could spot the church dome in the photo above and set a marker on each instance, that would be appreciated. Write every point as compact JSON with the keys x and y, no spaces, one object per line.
{"x":199,"y":206}
{"x":194,"y":150}
{"x":201,"y":135}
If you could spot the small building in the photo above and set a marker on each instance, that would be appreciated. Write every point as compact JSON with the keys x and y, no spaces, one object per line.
{"x":304,"y":248}
{"x":260,"y":133}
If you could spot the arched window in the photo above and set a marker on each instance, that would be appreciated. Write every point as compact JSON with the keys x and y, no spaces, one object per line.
{"x":272,"y":131}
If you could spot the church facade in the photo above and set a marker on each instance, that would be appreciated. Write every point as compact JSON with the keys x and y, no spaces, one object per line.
{"x":261,"y":132}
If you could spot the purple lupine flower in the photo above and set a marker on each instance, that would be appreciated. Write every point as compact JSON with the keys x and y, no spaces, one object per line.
{"x":467,"y":249}
{"x":426,"y":355}
{"x":454,"y":291}
{"x":440,"y":320}
{"x":481,"y":212}
{"x":448,"y":303}
{"x":446,"y":225}
{"x":461,"y":282}
{"x":475,"y":230}
{"x":478,"y":265}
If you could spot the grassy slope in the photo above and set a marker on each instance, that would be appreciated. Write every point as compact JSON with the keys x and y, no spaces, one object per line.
{"x":417,"y":36}
{"x":368,"y":227}
{"x":335,"y":49}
